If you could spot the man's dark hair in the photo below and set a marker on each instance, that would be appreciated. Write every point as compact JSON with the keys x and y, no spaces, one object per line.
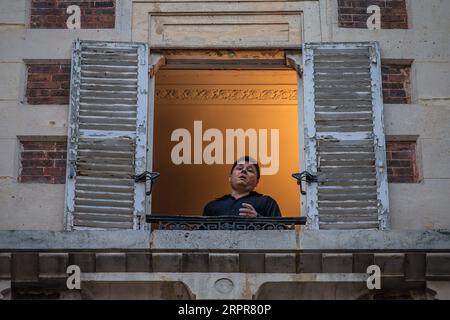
{"x":249,"y":160}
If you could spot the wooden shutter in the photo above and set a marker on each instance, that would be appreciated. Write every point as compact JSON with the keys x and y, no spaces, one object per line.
{"x":107,"y":136}
{"x":344,"y":138}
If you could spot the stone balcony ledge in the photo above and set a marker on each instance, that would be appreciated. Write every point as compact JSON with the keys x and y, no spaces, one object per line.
{"x":270,"y":240}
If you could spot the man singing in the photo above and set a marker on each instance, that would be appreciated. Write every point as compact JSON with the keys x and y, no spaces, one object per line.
{"x":243,"y":200}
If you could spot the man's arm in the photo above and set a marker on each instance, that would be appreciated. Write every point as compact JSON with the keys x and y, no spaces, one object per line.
{"x":271,"y":208}
{"x":207,"y":210}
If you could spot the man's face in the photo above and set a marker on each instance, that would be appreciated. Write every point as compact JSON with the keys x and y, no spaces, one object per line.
{"x":244,"y":177}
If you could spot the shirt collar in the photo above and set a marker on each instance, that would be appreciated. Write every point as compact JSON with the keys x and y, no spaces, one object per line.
{"x":251,"y":194}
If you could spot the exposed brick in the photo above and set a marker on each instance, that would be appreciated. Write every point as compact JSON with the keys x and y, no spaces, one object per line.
{"x":43,"y":162}
{"x":48,"y":83}
{"x":52,"y":14}
{"x":396,"y":83}
{"x":353,"y":13}
{"x":402,"y":162}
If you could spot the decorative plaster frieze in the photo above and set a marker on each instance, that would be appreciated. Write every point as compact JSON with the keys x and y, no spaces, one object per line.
{"x":226,"y":94}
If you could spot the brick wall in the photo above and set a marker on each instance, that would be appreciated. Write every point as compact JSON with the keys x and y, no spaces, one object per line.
{"x":401,"y":161}
{"x":353,"y":13}
{"x":52,"y":14}
{"x":43,"y":161}
{"x":48,"y":83}
{"x":396,"y":83}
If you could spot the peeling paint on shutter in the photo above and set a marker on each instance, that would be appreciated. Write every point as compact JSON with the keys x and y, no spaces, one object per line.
{"x":344,"y":138}
{"x":107,"y":136}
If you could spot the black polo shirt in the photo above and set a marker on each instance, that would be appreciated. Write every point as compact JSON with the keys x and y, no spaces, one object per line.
{"x":229,"y":206}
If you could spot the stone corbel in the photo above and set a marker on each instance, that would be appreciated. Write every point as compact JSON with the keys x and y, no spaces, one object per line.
{"x":294,"y":60}
{"x":156,"y":61}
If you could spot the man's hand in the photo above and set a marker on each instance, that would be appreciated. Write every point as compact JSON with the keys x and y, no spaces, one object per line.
{"x":247,"y":210}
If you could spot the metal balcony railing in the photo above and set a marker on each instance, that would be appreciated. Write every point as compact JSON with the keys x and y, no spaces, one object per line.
{"x":224,"y":222}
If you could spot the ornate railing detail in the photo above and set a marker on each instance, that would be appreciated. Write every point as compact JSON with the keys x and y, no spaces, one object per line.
{"x":190,"y":223}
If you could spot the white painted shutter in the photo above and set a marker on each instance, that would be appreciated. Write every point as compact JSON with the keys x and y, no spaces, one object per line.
{"x":344,"y":138}
{"x":107,"y":136}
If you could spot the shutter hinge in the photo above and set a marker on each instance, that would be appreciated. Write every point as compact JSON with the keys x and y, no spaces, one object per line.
{"x":373,"y":54}
{"x":147,"y":176}
{"x":304,"y":176}
{"x":71,"y":169}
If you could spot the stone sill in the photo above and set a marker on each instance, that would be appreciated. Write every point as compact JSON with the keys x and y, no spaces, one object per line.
{"x":164,"y":240}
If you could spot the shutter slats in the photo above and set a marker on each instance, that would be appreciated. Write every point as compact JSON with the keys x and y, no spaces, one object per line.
{"x":342,"y":105}
{"x":86,"y":217}
{"x":108,"y":113}
{"x":108,"y":100}
{"x":114,"y":82}
{"x":108,"y":74}
{"x":103,"y":209}
{"x":96,"y":224}
{"x":107,"y":127}
{"x":119,"y":203}
{"x":107,"y":107}
{"x":109,"y":87}
{"x":109,"y":94}
{"x":97,"y":152}
{"x":90,"y":194}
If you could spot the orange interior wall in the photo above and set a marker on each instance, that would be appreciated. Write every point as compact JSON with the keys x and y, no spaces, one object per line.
{"x":228,"y":99}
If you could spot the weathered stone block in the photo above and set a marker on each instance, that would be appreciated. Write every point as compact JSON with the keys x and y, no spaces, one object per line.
{"x":195,"y":262}
{"x":5,"y":266}
{"x":25,"y":267}
{"x":53,"y":265}
{"x":337,"y":263}
{"x":280,"y":263}
{"x":5,"y":290}
{"x":438,"y":266}
{"x":110,"y":262}
{"x":309,"y":263}
{"x":70,"y":295}
{"x":85,"y":260}
{"x":415,"y":266}
{"x":224,"y":262}
{"x":393,"y":282}
{"x":361,"y":261}
{"x":251,"y":262}
{"x":139,"y":262}
{"x":390,"y":264}
{"x":166,"y":262}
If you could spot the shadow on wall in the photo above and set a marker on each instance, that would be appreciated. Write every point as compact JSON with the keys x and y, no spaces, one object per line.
{"x":337,"y":291}
{"x":157,"y":290}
